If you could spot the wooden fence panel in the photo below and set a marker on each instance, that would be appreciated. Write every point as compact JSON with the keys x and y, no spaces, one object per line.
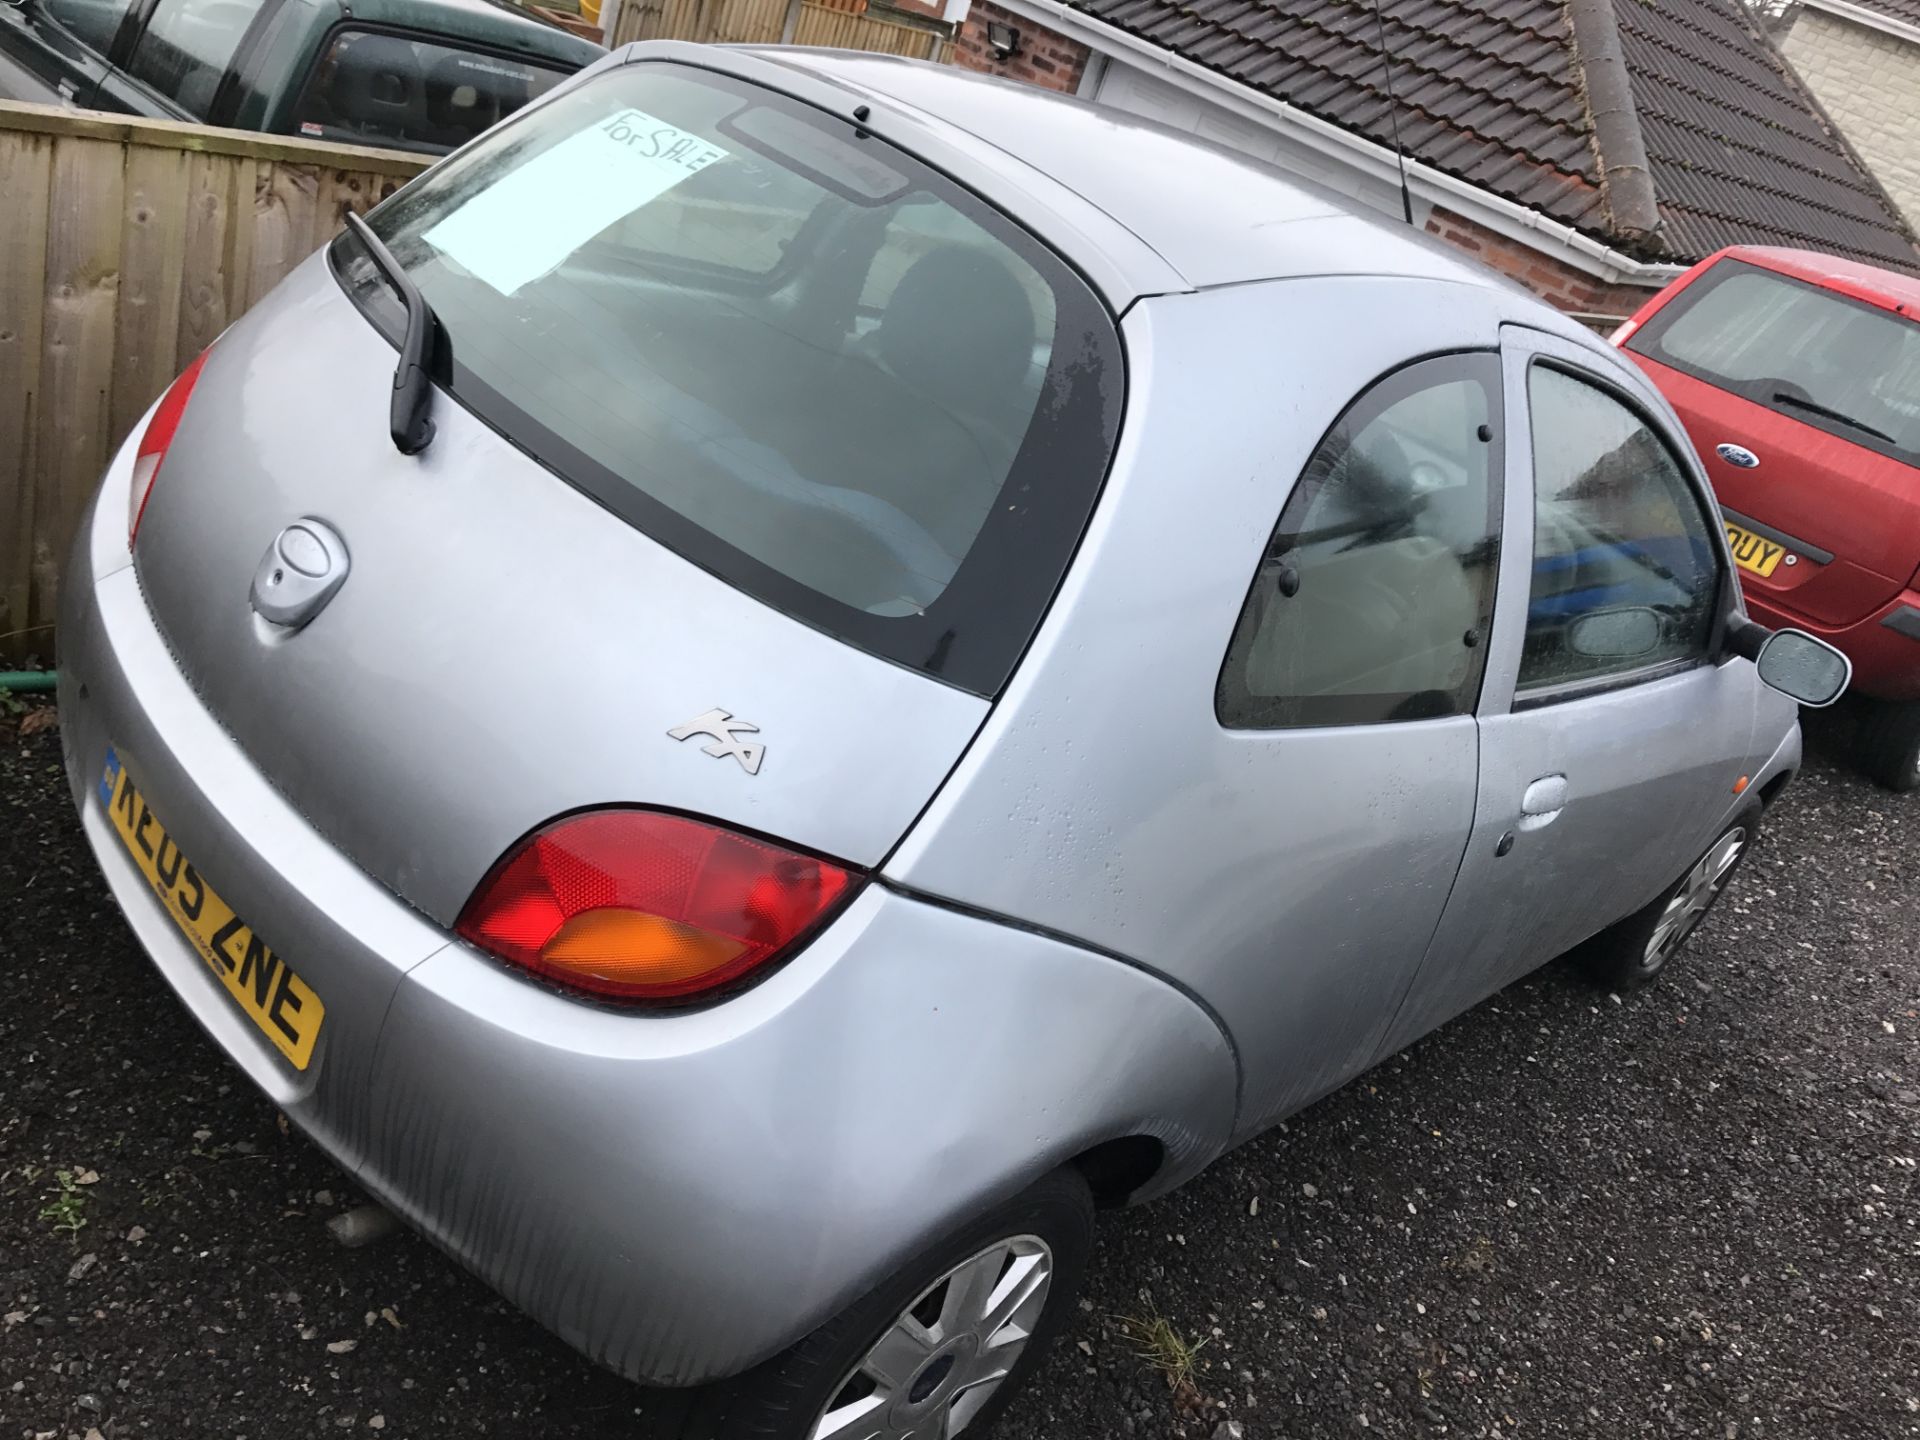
{"x":153,"y":252}
{"x":762,"y":22}
{"x":748,"y":22}
{"x":216,"y":253}
{"x":81,"y":309}
{"x":837,"y":29}
{"x":26,"y":176}
{"x":661,"y":20}
{"x":126,"y":247}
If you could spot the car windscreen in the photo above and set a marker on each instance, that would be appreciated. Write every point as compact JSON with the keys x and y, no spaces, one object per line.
{"x":375,"y":87}
{"x":1839,"y":364}
{"x":791,"y":352}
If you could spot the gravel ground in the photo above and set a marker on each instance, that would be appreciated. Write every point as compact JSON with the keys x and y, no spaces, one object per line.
{"x":1691,"y":1213}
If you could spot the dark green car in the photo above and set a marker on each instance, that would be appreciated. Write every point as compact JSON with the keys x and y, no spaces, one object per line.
{"x":423,"y":75}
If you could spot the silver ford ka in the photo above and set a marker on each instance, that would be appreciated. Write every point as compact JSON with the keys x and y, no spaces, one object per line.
{"x":797,"y":668}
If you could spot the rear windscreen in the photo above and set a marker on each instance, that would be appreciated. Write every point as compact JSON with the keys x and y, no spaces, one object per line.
{"x":780,"y":346}
{"x":373,"y":87}
{"x":1841,"y":365}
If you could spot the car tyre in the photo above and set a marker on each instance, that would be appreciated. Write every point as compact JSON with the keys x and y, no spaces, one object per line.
{"x":986,"y":1299}
{"x":1889,"y":743}
{"x":1635,"y":951}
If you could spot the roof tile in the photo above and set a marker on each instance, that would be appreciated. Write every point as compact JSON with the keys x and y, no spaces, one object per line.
{"x":1487,"y":91}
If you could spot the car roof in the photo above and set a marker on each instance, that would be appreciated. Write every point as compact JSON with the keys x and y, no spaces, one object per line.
{"x":485,"y":21}
{"x":1214,"y":215}
{"x":1886,"y":288}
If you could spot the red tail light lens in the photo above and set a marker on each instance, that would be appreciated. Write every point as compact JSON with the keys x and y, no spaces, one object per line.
{"x":154,"y":443}
{"x":637,"y":905}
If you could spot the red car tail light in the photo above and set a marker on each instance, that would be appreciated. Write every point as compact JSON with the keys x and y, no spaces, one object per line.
{"x":639,"y":905}
{"x":154,"y":443}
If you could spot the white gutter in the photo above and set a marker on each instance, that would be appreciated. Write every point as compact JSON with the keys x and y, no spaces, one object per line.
{"x":1505,"y":217}
{"x":1873,"y":19}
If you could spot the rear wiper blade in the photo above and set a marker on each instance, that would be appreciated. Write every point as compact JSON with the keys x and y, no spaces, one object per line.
{"x":1781,"y":397}
{"x":407,"y":417}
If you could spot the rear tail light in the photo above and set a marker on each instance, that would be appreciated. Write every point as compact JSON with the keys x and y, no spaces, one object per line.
{"x":641,"y":906}
{"x":154,"y":443}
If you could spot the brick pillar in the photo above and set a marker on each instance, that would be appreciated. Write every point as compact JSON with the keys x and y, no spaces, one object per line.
{"x":1045,"y":57}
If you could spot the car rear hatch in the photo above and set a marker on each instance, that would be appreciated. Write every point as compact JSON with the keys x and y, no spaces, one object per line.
{"x":735,"y":507}
{"x":1805,"y":407}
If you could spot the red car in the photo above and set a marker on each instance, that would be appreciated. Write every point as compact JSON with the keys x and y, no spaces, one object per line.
{"x":1798,"y":377}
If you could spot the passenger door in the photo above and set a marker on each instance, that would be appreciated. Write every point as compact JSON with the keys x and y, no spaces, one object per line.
{"x":1611,"y":737}
{"x":55,"y":52}
{"x":1347,"y":696}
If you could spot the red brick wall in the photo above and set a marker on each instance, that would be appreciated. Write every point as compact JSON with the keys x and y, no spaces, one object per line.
{"x":1560,"y":285}
{"x":1045,"y":58}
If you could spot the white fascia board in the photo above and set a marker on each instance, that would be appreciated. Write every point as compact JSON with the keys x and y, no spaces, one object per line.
{"x":1538,"y":231}
{"x":1873,"y":19}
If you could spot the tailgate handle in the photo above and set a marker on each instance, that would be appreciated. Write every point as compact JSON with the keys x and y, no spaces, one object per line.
{"x":303,"y":567}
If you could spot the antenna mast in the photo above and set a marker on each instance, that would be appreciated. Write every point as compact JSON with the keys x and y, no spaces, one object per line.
{"x":1393,"y":111}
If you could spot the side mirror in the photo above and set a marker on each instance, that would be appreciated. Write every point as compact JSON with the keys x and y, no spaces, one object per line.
{"x":1805,"y":668}
{"x":1625,"y":633}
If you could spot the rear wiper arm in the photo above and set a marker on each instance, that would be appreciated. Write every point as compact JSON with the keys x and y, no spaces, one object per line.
{"x":407,"y":417}
{"x":1781,"y":397}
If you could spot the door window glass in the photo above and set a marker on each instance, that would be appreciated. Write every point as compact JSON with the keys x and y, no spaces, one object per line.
{"x":92,"y":22}
{"x":1376,"y":591}
{"x":1625,"y":572}
{"x":186,"y":46}
{"x":380,"y":89}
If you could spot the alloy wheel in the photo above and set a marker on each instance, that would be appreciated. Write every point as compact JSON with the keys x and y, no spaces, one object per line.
{"x":1693,"y":898}
{"x":936,"y":1366}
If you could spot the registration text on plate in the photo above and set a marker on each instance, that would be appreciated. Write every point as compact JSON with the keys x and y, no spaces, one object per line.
{"x":278,"y":1001}
{"x":1755,"y":553}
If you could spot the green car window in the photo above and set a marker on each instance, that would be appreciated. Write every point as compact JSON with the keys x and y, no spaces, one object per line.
{"x":374,"y":88}
{"x":187,"y":47}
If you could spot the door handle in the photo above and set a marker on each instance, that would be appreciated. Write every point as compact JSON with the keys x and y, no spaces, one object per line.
{"x":1543,"y":802}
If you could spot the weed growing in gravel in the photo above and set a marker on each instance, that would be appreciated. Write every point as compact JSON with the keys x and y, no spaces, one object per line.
{"x":67,"y":1210}
{"x":1153,"y":1338}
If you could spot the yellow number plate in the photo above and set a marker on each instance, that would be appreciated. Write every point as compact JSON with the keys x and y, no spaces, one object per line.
{"x":1755,"y":553}
{"x":265,"y":987}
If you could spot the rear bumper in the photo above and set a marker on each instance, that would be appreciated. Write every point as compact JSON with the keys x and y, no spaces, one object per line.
{"x":1884,"y":647}
{"x":677,"y":1196}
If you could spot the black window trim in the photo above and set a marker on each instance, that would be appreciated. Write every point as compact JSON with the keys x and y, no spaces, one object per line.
{"x":1480,"y":363}
{"x":992,"y":659}
{"x":243,"y":70}
{"x":291,"y":109}
{"x":133,"y":24}
{"x":1646,"y":341}
{"x":1560,"y":692}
